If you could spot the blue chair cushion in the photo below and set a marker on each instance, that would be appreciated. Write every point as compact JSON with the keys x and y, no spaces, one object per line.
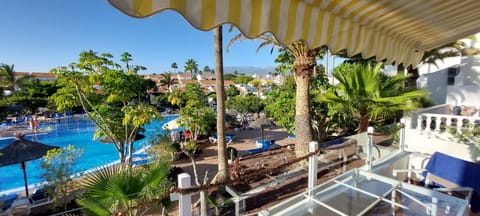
{"x":255,"y":150}
{"x":7,"y":201}
{"x":332,"y":142}
{"x":39,"y":194}
{"x":458,"y":171}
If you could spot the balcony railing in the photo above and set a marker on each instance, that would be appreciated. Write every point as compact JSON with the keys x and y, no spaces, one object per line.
{"x":436,"y":119}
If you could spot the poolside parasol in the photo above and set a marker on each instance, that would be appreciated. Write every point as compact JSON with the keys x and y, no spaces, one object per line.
{"x":262,"y":122}
{"x":21,"y":151}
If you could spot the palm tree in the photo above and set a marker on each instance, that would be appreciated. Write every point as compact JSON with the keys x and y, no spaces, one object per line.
{"x":174,"y":66}
{"x":168,"y":81}
{"x":303,"y":65}
{"x":121,"y":190}
{"x":220,"y":92}
{"x":207,"y":69}
{"x":7,"y":77}
{"x":126,"y":58}
{"x":176,"y":98}
{"x":365,"y":90}
{"x":191,"y":66}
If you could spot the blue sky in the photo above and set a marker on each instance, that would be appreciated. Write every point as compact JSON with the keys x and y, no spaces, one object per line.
{"x":37,"y":36}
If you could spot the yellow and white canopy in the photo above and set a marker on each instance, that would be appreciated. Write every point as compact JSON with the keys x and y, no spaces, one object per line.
{"x":396,"y":30}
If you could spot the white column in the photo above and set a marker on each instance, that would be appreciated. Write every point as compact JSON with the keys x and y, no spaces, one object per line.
{"x":312,"y":168}
{"x":185,"y":200}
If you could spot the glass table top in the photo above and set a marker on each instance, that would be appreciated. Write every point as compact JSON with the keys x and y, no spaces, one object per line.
{"x":359,"y":192}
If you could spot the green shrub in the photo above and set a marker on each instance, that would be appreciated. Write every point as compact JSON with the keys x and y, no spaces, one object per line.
{"x":176,"y":147}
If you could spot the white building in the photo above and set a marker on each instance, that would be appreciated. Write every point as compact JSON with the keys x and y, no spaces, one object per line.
{"x":456,"y":81}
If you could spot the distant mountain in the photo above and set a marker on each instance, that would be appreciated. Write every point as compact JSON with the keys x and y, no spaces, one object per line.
{"x":248,"y":69}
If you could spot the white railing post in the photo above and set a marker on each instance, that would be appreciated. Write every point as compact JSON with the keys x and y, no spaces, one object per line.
{"x":402,"y":135}
{"x":312,"y":168}
{"x":369,"y":148}
{"x":459,"y":124}
{"x":184,"y":200}
{"x":238,"y":200}
{"x":448,"y":122}
{"x":419,"y":122}
{"x":438,"y":122}
{"x":408,"y":120}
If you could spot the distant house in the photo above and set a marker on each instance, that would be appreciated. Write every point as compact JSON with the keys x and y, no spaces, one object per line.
{"x":246,"y":89}
{"x":43,"y":76}
{"x":184,"y":82}
{"x":182,"y":76}
{"x":154,"y":77}
{"x":206,"y":76}
{"x":210,"y":84}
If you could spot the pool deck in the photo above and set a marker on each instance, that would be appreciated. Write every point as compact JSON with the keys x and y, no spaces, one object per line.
{"x":11,"y":132}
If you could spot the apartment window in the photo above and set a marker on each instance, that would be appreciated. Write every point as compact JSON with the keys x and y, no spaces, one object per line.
{"x":452,"y":73}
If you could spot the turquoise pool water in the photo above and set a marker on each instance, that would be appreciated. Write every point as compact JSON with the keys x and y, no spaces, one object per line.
{"x":77,"y":131}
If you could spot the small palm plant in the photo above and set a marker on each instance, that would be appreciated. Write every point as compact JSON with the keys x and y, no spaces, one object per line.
{"x":124,"y":190}
{"x":365,"y":90}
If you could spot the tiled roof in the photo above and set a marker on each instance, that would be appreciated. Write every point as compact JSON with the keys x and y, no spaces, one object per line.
{"x":36,"y":74}
{"x":213,"y":82}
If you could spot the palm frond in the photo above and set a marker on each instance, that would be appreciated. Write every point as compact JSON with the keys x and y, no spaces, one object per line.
{"x":238,"y":37}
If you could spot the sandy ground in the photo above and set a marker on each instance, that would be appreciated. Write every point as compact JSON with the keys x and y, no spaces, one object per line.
{"x":244,"y":140}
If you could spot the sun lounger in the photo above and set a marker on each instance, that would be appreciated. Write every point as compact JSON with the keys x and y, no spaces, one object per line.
{"x":266,"y":145}
{"x":228,"y":138}
{"x":141,"y":162}
{"x":141,"y":159}
{"x":19,"y":120}
{"x":331,"y":143}
{"x":7,"y":125}
{"x":6,"y":203}
{"x":40,"y":197}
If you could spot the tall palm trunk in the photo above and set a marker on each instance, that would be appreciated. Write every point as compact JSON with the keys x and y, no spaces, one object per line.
{"x":364,"y":122}
{"x":412,"y":77}
{"x":304,"y":66}
{"x":221,"y":145}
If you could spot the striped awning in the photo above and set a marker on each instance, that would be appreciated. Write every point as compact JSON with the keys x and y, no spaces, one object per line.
{"x":395,"y":30}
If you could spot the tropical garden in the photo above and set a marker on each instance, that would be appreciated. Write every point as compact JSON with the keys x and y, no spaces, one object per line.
{"x":116,"y":99}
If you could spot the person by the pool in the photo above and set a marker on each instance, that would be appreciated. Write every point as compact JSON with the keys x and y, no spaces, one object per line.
{"x":34,"y":124}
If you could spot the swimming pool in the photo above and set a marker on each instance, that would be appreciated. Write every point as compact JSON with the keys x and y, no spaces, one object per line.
{"x":77,"y":131}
